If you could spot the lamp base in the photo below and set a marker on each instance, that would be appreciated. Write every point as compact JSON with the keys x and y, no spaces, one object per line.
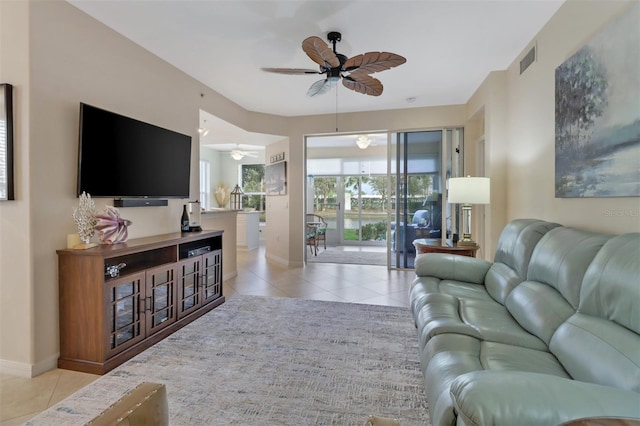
{"x":467,"y":241}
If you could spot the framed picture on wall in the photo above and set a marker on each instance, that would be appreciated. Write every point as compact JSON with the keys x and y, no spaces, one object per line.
{"x":6,"y":142}
{"x":597,"y":117}
{"x":275,"y":179}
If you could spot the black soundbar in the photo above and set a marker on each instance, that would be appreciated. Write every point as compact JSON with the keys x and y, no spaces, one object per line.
{"x":139,"y":202}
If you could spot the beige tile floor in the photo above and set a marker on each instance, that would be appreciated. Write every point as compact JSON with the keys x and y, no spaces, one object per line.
{"x":21,"y":399}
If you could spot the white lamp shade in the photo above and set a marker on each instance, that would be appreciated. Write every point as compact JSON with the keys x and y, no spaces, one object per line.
{"x":469,"y":190}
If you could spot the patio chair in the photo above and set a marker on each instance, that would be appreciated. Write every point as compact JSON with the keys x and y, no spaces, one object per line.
{"x":312,"y":241}
{"x":316,"y":232}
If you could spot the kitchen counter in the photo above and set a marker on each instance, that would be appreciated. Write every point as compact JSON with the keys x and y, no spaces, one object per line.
{"x":225,"y":220}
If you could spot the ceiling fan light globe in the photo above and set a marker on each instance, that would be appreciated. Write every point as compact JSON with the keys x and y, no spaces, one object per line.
{"x":363,"y":142}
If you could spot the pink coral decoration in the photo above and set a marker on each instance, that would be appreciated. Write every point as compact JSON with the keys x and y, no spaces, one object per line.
{"x":111,"y":227}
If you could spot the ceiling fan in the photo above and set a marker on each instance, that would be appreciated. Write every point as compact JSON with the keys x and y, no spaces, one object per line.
{"x":335,"y":65}
{"x":238,"y":154}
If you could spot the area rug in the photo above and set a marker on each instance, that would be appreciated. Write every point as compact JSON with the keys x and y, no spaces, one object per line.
{"x":273,"y":361}
{"x":340,"y":255}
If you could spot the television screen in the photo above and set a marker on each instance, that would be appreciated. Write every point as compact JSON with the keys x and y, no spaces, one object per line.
{"x":123,"y":157}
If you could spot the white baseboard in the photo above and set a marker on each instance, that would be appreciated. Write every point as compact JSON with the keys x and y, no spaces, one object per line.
{"x":230,"y":275}
{"x":282,"y":261}
{"x":22,"y":369}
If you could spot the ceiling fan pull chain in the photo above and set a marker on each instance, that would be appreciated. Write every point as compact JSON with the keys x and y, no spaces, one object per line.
{"x":336,"y":109}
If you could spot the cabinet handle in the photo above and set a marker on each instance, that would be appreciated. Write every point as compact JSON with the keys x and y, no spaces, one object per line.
{"x":146,"y":304}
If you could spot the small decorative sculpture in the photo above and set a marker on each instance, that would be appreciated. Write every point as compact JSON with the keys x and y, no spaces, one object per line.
{"x":236,"y":198}
{"x":85,"y":217}
{"x":222,"y":195}
{"x":111,"y":227}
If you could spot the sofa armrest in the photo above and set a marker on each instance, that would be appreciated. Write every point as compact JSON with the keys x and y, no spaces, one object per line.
{"x":508,"y":398}
{"x":452,"y":267}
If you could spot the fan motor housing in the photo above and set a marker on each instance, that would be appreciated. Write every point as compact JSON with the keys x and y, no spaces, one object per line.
{"x":334,"y":36}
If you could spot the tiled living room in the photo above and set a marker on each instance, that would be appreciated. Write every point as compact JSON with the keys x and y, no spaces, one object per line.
{"x":23,"y":398}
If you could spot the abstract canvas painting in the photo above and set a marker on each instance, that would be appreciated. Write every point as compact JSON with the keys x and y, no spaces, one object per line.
{"x":597,"y":117}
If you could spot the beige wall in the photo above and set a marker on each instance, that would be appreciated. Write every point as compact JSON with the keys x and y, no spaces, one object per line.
{"x":489,"y":102}
{"x":58,"y":57}
{"x":16,"y":280}
{"x":519,"y":114}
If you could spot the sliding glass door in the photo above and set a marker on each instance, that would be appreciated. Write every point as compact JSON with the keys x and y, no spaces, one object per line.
{"x":420,"y":163}
{"x":364,"y":216}
{"x":354,"y":208}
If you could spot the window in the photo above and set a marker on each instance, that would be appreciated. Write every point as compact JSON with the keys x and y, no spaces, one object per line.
{"x":252,"y":183}
{"x":205,"y":184}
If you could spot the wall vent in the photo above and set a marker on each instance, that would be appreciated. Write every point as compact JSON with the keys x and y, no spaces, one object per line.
{"x":528,"y":59}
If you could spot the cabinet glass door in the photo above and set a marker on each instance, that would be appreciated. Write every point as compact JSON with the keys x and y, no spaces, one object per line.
{"x":188,"y":285}
{"x":160,"y":297}
{"x":125,"y":316}
{"x":212,"y":276}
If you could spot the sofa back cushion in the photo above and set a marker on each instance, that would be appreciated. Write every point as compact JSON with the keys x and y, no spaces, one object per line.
{"x":611,"y":286}
{"x":561,"y":259}
{"x":601,"y":343}
{"x":551,"y":292}
{"x":513,"y":253}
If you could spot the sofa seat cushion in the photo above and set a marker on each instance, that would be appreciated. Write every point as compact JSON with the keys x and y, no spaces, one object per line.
{"x":422,"y":286}
{"x":501,"y":357}
{"x":447,"y":356}
{"x":482,"y":319}
{"x":494,"y":356}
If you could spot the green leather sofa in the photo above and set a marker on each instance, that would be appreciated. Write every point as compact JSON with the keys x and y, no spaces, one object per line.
{"x":547,"y":333}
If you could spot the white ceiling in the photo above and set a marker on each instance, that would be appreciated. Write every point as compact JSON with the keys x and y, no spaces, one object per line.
{"x":450,"y":45}
{"x":224,"y":136}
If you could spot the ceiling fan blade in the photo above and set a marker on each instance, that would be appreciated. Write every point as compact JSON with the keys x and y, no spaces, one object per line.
{"x":362,"y":83}
{"x":320,"y":52}
{"x":293,"y":71}
{"x":371,"y":62}
{"x":321,"y":86}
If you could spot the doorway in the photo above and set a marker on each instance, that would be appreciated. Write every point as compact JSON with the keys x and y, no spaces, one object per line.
{"x":354,"y":208}
{"x":385,"y":196}
{"x":346,"y":186}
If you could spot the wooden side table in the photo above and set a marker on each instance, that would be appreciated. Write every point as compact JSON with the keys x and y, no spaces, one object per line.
{"x":434,"y":245}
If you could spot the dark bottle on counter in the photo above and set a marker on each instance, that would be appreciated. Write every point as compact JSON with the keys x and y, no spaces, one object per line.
{"x":184,"y":222}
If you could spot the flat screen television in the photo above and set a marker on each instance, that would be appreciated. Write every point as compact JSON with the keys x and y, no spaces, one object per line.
{"x":121,"y":157}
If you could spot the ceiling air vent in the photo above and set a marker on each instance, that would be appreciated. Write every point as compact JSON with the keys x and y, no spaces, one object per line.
{"x":528,"y":59}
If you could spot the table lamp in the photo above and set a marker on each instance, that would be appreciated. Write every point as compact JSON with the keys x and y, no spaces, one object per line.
{"x":468,"y":191}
